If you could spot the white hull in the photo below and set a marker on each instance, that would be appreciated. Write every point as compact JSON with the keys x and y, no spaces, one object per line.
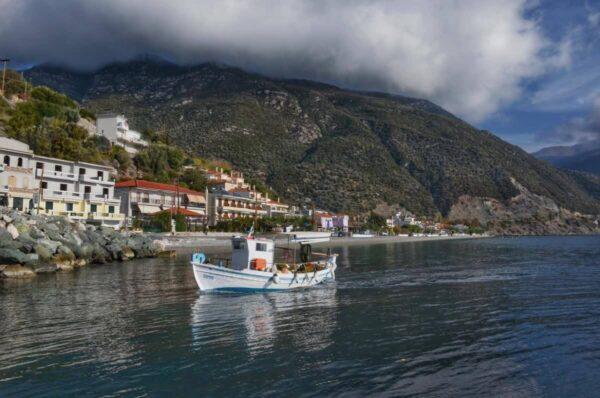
{"x":212,"y":277}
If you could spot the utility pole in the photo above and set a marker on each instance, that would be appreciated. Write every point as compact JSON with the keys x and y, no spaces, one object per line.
{"x":24,"y":87}
{"x":4,"y":61}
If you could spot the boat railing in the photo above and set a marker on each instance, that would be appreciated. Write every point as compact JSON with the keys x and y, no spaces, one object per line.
{"x":220,"y":261}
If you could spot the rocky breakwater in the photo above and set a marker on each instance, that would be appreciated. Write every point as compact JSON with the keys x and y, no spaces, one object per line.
{"x":33,"y":244}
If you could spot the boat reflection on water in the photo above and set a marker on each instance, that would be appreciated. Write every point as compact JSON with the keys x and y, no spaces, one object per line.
{"x":303,"y":319}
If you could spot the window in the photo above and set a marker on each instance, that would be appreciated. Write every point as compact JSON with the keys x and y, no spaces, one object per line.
{"x":57,"y":167}
{"x":63,"y":187}
{"x":82,"y":171}
{"x":20,"y":162}
{"x":87,"y":189}
{"x":49,"y":205}
{"x":17,"y":203}
{"x":7,"y":160}
{"x":100,"y":175}
{"x":238,"y":245}
{"x":39,"y":165}
{"x":69,"y":206}
{"x":111,"y":209}
{"x":44,"y":185}
{"x":261,"y":247}
{"x":93,"y":208}
{"x":105,"y":191}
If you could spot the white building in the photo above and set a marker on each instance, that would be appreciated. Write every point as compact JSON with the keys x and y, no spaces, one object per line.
{"x":78,"y":190}
{"x":115,"y":128}
{"x":17,"y":181}
{"x":143,"y":199}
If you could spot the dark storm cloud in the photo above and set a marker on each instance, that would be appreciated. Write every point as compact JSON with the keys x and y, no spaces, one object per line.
{"x":470,"y":56}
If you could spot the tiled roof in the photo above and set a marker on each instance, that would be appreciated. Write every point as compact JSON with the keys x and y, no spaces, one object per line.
{"x":155,"y":186}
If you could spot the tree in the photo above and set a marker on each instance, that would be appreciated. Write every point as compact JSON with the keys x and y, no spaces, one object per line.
{"x":375,"y":222}
{"x":194,"y":179}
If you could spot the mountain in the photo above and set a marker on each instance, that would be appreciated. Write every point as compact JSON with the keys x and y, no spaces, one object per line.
{"x":582,"y":157}
{"x":343,"y":150}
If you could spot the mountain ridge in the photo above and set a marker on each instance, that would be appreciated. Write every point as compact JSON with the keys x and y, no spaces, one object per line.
{"x":581,"y":157}
{"x":339,"y":149}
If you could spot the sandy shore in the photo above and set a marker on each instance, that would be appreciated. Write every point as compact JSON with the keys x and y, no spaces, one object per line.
{"x":223,"y":240}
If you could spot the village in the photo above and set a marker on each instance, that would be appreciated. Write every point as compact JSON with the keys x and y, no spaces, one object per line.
{"x":88,"y":192}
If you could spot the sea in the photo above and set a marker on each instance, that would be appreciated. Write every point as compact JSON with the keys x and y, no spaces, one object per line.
{"x":500,"y":317}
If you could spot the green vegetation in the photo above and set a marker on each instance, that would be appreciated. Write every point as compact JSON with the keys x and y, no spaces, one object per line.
{"x":375,"y":223}
{"x":267,"y":224}
{"x":346,"y":151}
{"x":161,"y":222}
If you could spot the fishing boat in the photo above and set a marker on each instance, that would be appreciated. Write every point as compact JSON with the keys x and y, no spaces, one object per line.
{"x":252,"y":267}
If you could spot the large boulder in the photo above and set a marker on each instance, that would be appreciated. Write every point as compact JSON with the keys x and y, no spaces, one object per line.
{"x":115,"y":251}
{"x":43,"y":252}
{"x":17,"y":271}
{"x":65,"y":253}
{"x":62,"y":264}
{"x":127,"y":253}
{"x":35,"y":233}
{"x":100,"y":254}
{"x":49,"y":244}
{"x":12,"y":230}
{"x":28,"y":242}
{"x":11,"y":256}
{"x":31,"y":259}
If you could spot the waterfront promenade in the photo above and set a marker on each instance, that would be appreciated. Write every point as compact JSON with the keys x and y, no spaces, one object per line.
{"x":222,"y":239}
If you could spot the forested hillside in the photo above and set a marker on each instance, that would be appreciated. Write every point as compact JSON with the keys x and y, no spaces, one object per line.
{"x":343,"y":150}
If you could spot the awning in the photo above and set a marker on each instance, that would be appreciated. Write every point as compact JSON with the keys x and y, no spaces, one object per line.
{"x":181,"y":211}
{"x":147,"y":209}
{"x":196,"y":198}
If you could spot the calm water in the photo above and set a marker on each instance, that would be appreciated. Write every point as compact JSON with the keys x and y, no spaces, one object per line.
{"x":501,"y":317}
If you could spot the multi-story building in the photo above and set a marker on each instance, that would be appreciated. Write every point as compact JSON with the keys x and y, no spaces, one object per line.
{"x":116,"y":129}
{"x":78,"y":190}
{"x":341,"y":222}
{"x":142,"y":199}
{"x":221,"y":181}
{"x":277,"y":209}
{"x":17,"y":181}
{"x":324,"y":220}
{"x":237,"y":203}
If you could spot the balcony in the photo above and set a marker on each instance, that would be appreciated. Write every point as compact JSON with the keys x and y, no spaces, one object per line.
{"x":61,"y":195}
{"x":40,"y":173}
{"x":94,"y":179}
{"x":99,"y":198}
{"x":105,"y":216}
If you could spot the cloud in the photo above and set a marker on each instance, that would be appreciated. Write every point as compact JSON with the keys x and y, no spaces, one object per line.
{"x":470,"y":56}
{"x":579,"y":130}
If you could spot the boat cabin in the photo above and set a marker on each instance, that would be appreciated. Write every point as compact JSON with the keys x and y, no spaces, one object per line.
{"x":252,"y":253}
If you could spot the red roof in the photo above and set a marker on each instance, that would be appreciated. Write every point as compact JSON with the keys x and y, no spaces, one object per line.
{"x":154,"y":185}
{"x":182,"y":211}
